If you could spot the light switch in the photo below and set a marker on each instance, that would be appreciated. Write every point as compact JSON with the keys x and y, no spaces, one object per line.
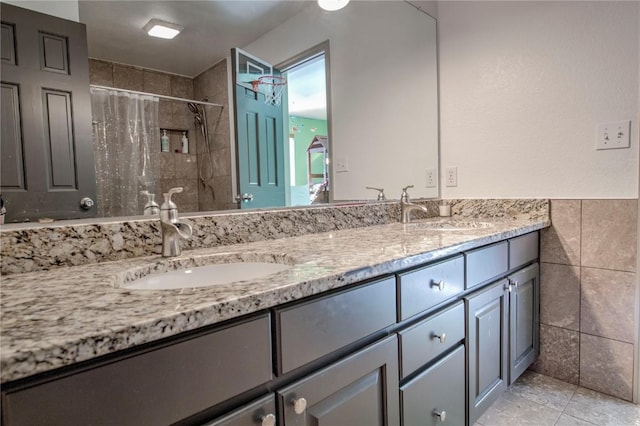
{"x":613,"y":135}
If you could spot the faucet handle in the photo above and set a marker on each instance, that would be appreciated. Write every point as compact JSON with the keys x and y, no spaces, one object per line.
{"x":404,"y":197}
{"x":381,"y":196}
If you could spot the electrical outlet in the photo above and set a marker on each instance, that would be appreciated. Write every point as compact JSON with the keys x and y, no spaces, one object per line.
{"x":430,"y":181}
{"x":452,"y":176}
{"x":342,"y":164}
{"x":613,"y":135}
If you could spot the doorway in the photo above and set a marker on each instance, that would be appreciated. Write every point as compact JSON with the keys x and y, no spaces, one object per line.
{"x":307,"y":122}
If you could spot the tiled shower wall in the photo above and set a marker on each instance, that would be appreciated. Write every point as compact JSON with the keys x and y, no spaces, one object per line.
{"x":215,"y":187}
{"x":588,"y":269}
{"x":178,"y":169}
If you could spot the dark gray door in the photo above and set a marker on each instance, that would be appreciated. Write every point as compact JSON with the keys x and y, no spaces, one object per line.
{"x":524,"y":320}
{"x":47,"y":165}
{"x":361,"y":390}
{"x":487,"y":331}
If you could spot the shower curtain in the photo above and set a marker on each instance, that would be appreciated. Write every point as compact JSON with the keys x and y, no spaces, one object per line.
{"x":125,"y":129}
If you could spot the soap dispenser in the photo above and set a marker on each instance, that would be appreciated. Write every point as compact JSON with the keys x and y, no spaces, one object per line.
{"x":185,"y":143}
{"x":164,"y":141}
{"x":151,"y":208}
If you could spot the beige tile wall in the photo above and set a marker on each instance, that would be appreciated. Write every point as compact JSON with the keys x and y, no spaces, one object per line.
{"x":588,"y":267}
{"x":215,"y":189}
{"x":175,"y":168}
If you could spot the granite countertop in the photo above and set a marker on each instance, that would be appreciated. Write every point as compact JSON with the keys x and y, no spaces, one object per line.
{"x":55,"y":318}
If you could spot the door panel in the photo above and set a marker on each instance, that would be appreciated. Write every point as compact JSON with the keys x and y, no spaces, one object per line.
{"x":259,"y":137}
{"x":12,"y":168}
{"x":47,"y":128}
{"x":487,"y":350}
{"x":361,"y":390}
{"x":524,"y":321}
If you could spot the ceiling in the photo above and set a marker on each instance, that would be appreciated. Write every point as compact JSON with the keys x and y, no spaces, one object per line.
{"x":211,"y":29}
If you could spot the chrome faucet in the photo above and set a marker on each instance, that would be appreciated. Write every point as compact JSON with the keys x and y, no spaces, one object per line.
{"x":172,"y":229}
{"x":406,"y":206}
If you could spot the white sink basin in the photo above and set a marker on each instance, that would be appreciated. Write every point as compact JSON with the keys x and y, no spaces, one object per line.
{"x":206,"y":276}
{"x":451,"y":225}
{"x":203,"y":270}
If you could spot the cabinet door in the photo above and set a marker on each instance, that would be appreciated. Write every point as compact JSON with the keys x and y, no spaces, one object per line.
{"x":524,"y":320}
{"x":361,"y":390}
{"x":487,"y":323}
{"x":436,"y":396}
{"x":261,"y":412}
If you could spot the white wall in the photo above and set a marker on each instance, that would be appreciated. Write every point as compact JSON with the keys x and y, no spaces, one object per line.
{"x":523,"y":85}
{"x":66,"y":9}
{"x":383,"y":91}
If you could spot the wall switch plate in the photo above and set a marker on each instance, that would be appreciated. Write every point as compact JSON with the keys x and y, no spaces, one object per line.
{"x":451,"y":176}
{"x":430,"y":178}
{"x":613,"y":135}
{"x":342,"y":164}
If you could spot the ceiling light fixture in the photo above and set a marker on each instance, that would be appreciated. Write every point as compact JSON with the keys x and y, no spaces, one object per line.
{"x":162,"y":29}
{"x":332,"y":5}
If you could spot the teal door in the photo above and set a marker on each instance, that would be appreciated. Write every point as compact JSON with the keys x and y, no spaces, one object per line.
{"x":259,"y":137}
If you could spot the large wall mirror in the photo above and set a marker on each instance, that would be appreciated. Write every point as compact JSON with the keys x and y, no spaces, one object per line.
{"x":374,"y":62}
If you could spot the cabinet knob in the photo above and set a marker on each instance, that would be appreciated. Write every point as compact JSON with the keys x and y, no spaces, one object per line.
{"x":441,"y":414}
{"x":439,"y":285}
{"x":268,"y":420}
{"x":442,"y":337}
{"x":507,"y":287}
{"x":299,"y":405}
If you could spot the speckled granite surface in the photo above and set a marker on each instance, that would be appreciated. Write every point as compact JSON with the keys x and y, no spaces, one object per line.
{"x":55,"y":318}
{"x":33,"y":247}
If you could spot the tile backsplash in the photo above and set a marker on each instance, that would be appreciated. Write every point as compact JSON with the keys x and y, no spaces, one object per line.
{"x":27,"y":248}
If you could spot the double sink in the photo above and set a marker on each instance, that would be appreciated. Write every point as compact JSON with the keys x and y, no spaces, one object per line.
{"x":228,"y":268}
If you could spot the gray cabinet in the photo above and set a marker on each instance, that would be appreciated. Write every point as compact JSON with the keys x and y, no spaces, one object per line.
{"x":423,"y":288}
{"x":487,"y":346}
{"x":503,"y":336}
{"x":524,"y":320}
{"x":437,"y":395}
{"x":158,"y":386}
{"x":425,"y":341}
{"x":309,"y":330}
{"x":360,"y":390}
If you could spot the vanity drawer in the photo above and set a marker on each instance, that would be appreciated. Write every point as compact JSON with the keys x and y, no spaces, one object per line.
{"x":316,"y":328}
{"x":522,"y":250}
{"x":426,"y":287}
{"x":161,"y":386}
{"x":419,"y":344}
{"x":486,"y":263}
{"x":440,"y":389}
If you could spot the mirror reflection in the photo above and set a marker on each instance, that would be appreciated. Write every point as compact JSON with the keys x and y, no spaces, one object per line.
{"x":359,"y":108}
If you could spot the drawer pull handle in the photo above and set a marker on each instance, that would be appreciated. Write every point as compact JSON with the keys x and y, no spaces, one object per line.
{"x":268,"y":420}
{"x":442,"y":337}
{"x":299,"y":405}
{"x":441,"y":414}
{"x":439,"y":284}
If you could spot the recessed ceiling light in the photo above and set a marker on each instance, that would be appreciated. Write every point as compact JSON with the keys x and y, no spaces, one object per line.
{"x":162,"y":29}
{"x":332,"y":5}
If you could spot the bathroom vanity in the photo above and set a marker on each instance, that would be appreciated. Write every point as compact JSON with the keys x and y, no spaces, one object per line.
{"x":392,"y":324}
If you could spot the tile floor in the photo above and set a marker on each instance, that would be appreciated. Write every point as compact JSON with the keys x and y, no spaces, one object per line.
{"x":538,"y":400}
